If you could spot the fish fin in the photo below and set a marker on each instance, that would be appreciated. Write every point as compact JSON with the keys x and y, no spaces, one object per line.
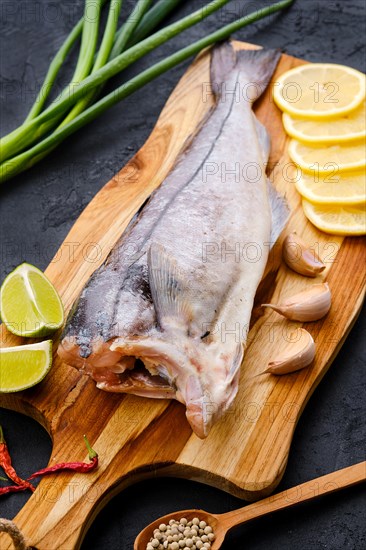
{"x":263,"y":138}
{"x":280,"y":212}
{"x":167,"y":286}
{"x":258,"y":66}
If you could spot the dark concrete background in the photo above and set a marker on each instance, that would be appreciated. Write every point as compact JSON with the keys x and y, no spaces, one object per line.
{"x":38,"y":208}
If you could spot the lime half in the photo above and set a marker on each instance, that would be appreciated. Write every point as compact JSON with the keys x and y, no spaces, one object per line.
{"x":29,"y":304}
{"x":22,"y":367}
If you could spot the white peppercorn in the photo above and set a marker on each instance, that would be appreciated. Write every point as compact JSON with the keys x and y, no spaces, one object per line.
{"x":182,"y":535}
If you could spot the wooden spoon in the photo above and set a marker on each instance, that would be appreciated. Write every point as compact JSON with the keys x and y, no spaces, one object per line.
{"x":222,"y":523}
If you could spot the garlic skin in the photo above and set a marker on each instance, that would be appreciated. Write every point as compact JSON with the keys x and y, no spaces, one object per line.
{"x":298,"y":256}
{"x":294,"y":356}
{"x":309,"y":305}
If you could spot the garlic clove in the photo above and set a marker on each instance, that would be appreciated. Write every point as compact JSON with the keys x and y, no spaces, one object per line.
{"x":294,"y":356}
{"x":309,"y":305}
{"x":298,"y":256}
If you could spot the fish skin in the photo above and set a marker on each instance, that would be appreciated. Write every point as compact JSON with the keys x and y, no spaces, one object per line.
{"x":175,"y":293}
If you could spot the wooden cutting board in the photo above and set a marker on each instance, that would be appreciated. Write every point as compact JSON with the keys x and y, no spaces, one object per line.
{"x":247,"y":451}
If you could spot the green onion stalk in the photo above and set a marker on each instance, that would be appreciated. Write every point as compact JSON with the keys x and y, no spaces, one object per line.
{"x":31,"y":131}
{"x":87,"y":54}
{"x":138,"y":19}
{"x":125,"y":32}
{"x":102,"y":56}
{"x":148,"y":22}
{"x":137,"y":27}
{"x":30,"y":157}
{"x":55,"y":67}
{"x":88,"y":26}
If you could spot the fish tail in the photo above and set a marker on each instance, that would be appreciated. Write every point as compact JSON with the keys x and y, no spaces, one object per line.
{"x":223,"y":61}
{"x":258,"y":67}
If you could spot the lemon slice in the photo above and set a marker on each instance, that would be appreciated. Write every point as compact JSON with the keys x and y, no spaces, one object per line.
{"x":337,"y":220}
{"x":22,"y":367}
{"x":320,"y":90}
{"x":346,"y":129}
{"x":29,"y":304}
{"x":343,"y":188}
{"x":329,"y":159}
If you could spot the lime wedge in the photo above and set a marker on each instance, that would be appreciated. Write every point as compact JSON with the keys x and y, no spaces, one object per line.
{"x":29,"y":304}
{"x":22,"y":367}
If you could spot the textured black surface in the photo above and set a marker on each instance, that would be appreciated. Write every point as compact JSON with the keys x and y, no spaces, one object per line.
{"x":38,"y":208}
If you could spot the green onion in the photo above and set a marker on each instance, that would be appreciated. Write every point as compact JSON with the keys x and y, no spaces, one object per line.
{"x":54,"y":70}
{"x":87,"y":49}
{"x":55,"y":67}
{"x":120,"y":41}
{"x":152,"y":19}
{"x":85,"y":60}
{"x":137,"y":18}
{"x":32,"y":130}
{"x":149,"y":21}
{"x":109,"y":34}
{"x":129,"y":27}
{"x":88,"y":40}
{"x":102,"y":57}
{"x":29,"y":158}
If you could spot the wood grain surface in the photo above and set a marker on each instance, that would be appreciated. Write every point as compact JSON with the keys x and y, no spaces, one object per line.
{"x":247,"y":451}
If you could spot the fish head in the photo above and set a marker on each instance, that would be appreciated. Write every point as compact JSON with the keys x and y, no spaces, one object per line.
{"x":209,"y":386}
{"x":205,"y":378}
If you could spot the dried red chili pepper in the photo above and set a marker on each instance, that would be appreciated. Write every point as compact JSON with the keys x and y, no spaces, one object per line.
{"x":12,"y":489}
{"x":82,"y":467}
{"x":5,"y":463}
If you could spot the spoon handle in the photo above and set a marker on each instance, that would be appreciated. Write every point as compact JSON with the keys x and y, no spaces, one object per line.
{"x":301,"y":493}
